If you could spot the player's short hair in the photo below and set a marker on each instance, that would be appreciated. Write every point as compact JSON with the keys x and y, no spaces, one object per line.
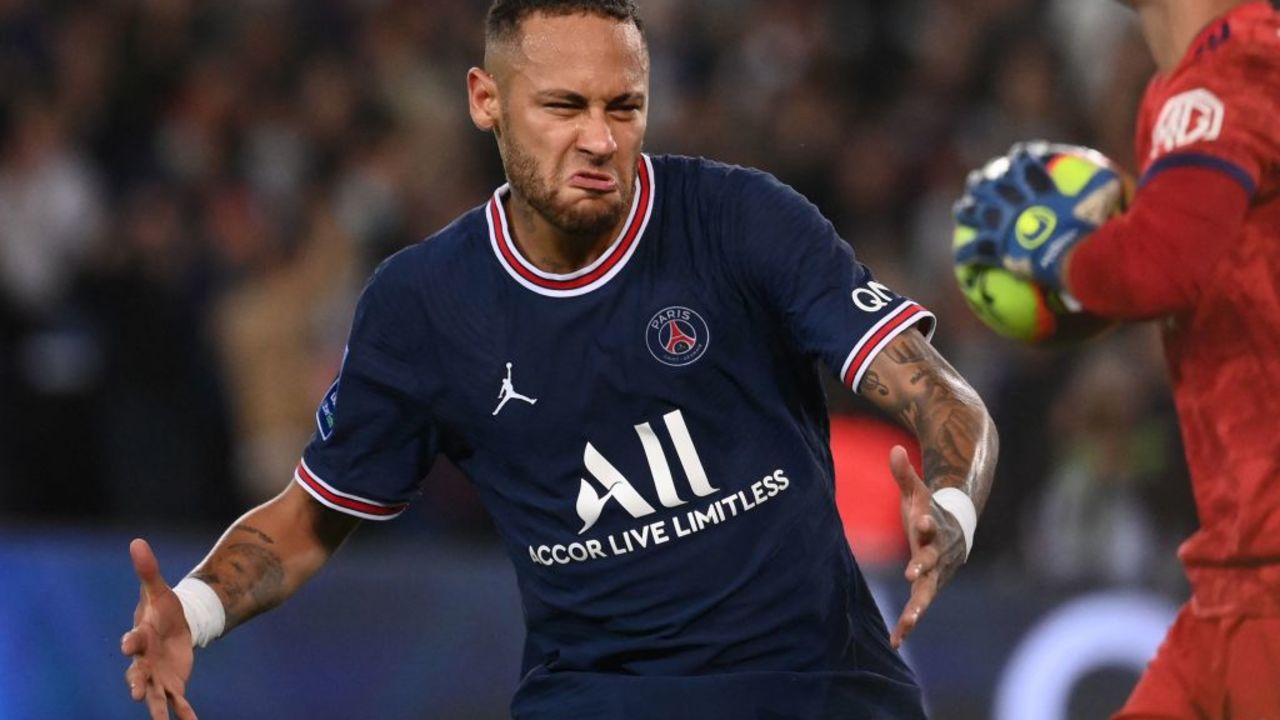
{"x":505,"y":16}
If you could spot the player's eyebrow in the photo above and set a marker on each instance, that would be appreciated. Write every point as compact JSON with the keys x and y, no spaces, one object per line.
{"x":563,"y":96}
{"x":635,"y":98}
{"x":569,"y":96}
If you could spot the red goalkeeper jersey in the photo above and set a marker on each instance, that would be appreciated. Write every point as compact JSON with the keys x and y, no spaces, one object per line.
{"x":1219,"y":109}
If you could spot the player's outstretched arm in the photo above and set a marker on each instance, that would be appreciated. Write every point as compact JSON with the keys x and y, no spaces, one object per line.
{"x":262,"y":559}
{"x":911,"y":382}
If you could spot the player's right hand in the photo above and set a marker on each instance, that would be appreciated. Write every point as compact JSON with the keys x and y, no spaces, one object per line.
{"x":159,"y":642}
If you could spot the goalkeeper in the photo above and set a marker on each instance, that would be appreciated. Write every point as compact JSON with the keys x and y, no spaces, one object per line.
{"x":1199,"y":249}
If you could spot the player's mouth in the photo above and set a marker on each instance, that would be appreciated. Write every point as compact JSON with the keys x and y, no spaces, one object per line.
{"x":594,"y":182}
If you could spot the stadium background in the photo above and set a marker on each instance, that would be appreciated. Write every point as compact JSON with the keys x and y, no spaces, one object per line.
{"x":192,"y":192}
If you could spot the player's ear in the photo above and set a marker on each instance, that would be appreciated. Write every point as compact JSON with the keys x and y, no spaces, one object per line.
{"x":482,"y":97}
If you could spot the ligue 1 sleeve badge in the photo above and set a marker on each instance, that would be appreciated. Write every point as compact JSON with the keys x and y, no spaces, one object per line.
{"x":677,"y":336}
{"x":326,"y":413}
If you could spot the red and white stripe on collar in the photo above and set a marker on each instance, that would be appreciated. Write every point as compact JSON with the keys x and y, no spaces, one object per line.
{"x":589,"y":278}
{"x":330,"y":496}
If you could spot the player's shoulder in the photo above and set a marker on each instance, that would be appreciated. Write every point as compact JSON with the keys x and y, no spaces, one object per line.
{"x":439,"y":258}
{"x":1226,"y":85}
{"x":1254,"y":25}
{"x":750,"y":215}
{"x":455,"y":242}
{"x":714,"y":181}
{"x":1237,"y":50}
{"x":676,"y":168}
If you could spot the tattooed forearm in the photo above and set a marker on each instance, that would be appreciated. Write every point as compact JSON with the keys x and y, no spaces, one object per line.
{"x":248,"y":577}
{"x":906,"y":353}
{"x":255,"y":531}
{"x":951,"y":453}
{"x":950,"y":433}
{"x":947,"y":427}
{"x":916,"y":387}
{"x":271,"y":551}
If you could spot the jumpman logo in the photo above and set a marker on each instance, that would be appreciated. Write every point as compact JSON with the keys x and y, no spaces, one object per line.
{"x":508,"y":391}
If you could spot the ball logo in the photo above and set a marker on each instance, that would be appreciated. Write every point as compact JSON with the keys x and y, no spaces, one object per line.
{"x":1187,"y":118}
{"x":677,"y":336}
{"x":1034,"y":226}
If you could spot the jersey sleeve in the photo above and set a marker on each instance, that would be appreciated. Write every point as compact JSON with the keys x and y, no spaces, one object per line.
{"x":792,"y":257}
{"x":1136,"y":266}
{"x":1222,"y":113}
{"x":374,"y":440}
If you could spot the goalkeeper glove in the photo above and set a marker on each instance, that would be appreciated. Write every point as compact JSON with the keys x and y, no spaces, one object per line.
{"x":1025,"y":210}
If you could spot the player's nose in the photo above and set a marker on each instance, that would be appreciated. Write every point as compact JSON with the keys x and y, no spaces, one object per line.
{"x":595,"y":135}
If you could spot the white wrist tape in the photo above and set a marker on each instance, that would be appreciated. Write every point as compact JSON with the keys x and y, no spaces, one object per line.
{"x":956,"y":502}
{"x":203,"y":609}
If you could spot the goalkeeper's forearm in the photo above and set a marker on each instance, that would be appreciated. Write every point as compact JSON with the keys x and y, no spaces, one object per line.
{"x":1154,"y":259}
{"x":271,"y":551}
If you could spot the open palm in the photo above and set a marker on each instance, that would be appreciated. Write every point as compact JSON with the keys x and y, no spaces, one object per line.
{"x":159,"y":642}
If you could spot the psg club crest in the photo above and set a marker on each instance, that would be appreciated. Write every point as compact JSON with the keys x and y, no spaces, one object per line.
{"x":677,"y":336}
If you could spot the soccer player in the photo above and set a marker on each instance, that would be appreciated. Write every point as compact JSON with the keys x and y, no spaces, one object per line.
{"x":1198,"y":249}
{"x":620,"y":351}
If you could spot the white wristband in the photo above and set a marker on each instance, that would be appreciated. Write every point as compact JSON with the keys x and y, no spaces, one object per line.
{"x":956,"y":502}
{"x":203,"y":609}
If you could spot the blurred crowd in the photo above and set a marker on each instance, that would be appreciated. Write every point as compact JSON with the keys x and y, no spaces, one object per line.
{"x":192,"y":193}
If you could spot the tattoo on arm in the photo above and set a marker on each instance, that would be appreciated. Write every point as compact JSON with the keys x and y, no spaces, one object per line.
{"x":907,"y":353}
{"x":871,"y":382}
{"x":255,"y":531}
{"x":249,"y":577}
{"x":917,"y":388}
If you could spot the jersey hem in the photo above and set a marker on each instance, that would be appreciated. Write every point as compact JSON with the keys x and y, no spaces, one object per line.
{"x":332,"y":498}
{"x":907,"y":315}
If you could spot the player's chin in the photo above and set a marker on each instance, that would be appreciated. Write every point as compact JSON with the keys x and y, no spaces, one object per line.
{"x":592,"y":214}
{"x":593,"y":206}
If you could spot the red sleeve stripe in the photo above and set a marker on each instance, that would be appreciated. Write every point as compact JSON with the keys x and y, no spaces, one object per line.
{"x":344,"y":502}
{"x":907,"y":315}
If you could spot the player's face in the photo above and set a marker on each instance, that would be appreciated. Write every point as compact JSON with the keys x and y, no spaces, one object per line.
{"x":572,"y":116}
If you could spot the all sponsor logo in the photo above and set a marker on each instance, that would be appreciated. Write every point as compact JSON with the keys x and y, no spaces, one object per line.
{"x":620,"y":490}
{"x":608,"y":487}
{"x":1187,"y":118}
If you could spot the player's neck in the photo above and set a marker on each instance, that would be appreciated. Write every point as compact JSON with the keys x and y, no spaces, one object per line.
{"x":549,"y":248}
{"x":1170,"y":27}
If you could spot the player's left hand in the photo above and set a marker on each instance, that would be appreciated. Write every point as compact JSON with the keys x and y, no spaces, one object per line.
{"x":936,"y":540}
{"x":1014,"y":214}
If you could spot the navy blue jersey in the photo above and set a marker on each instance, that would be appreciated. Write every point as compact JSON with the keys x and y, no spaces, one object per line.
{"x":649,"y":434}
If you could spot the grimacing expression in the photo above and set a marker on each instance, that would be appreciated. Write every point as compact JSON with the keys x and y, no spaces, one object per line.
{"x":573,"y":95}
